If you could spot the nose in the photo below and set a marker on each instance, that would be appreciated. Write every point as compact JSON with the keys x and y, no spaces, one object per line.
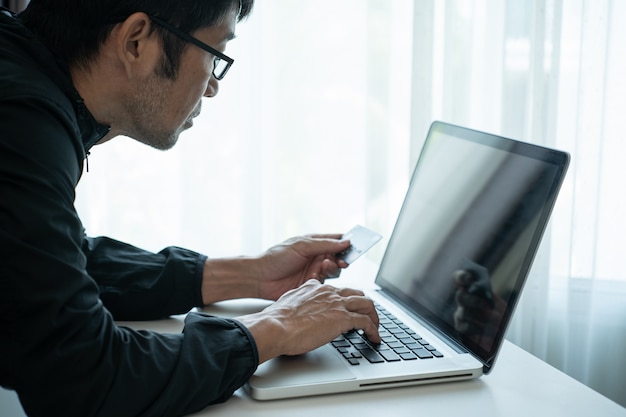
{"x":212,"y":87}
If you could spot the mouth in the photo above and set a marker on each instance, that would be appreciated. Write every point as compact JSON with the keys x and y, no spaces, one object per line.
{"x":189,"y":121}
{"x":197,"y":111}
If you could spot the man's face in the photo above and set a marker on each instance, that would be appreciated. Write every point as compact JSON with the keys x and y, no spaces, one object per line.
{"x":161,"y":108}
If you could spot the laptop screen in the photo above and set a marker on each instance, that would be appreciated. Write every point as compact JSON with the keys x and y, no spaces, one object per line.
{"x":468,"y":230}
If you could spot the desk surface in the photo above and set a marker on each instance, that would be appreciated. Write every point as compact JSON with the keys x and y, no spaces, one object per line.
{"x":519,"y":385}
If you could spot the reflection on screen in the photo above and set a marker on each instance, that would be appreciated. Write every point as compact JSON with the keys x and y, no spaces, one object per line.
{"x":463,"y":235}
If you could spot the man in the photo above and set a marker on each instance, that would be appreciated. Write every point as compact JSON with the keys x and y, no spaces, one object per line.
{"x":77,"y":73}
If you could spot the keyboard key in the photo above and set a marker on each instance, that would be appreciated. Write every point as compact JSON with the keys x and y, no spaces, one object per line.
{"x":395,"y":345}
{"x":423,"y":353}
{"x":408,"y":356}
{"x":389,"y":355}
{"x":361,"y":345}
{"x":341,"y":344}
{"x":372,"y":356}
{"x":382,"y":346}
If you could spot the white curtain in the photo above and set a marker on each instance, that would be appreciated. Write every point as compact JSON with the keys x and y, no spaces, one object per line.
{"x":320,"y":121}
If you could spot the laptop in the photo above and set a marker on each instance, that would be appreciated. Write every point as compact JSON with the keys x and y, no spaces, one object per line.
{"x":452,"y":272}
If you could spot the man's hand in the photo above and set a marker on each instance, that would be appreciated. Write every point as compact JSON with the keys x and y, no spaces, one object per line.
{"x":295,"y":261}
{"x":281,"y":268}
{"x":479,"y":311}
{"x":308,"y":317}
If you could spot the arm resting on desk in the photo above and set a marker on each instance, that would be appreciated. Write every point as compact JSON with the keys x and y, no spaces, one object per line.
{"x":136,"y":284}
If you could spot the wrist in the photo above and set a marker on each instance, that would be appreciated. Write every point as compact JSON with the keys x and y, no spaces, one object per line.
{"x":227,"y":279}
{"x":268,"y":333}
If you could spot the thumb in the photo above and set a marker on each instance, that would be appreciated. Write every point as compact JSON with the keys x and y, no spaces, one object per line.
{"x":327,"y":246}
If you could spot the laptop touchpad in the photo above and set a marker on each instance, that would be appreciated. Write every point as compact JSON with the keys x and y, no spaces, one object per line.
{"x":320,"y":365}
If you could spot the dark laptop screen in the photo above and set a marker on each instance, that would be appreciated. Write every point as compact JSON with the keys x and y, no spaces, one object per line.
{"x":468,"y":230}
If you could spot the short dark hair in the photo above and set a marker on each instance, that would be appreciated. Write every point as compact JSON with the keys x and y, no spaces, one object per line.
{"x":76,"y":29}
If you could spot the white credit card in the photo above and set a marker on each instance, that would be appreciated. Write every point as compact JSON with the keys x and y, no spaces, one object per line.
{"x":361,"y":239}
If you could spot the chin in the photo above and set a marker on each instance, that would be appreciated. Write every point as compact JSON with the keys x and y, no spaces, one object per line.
{"x":161,"y":143}
{"x":162,"y":140}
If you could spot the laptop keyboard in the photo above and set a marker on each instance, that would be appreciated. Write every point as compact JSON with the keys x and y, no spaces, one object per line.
{"x":399,"y":343}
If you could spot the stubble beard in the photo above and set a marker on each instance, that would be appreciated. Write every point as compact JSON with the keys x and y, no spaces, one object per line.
{"x":147,"y":111}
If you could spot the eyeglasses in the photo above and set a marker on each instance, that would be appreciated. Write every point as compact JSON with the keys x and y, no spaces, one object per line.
{"x":221,"y":63}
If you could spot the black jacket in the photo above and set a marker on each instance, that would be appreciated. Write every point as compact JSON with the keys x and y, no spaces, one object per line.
{"x":60,"y":291}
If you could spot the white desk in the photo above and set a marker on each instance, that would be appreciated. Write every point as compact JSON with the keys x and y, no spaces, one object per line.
{"x":520,"y":385}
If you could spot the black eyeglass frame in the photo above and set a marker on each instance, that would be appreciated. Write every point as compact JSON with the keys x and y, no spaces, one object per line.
{"x":187,"y":37}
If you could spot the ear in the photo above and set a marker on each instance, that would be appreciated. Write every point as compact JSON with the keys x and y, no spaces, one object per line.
{"x":137,"y":49}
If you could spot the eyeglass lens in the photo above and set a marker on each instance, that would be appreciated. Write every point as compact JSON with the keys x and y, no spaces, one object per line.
{"x":219,"y":68}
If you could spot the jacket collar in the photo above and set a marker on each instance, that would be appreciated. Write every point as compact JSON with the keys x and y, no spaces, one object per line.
{"x":90,"y":130}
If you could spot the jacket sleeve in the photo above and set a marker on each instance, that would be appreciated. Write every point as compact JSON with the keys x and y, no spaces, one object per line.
{"x":59,"y":346}
{"x":136,"y":284}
